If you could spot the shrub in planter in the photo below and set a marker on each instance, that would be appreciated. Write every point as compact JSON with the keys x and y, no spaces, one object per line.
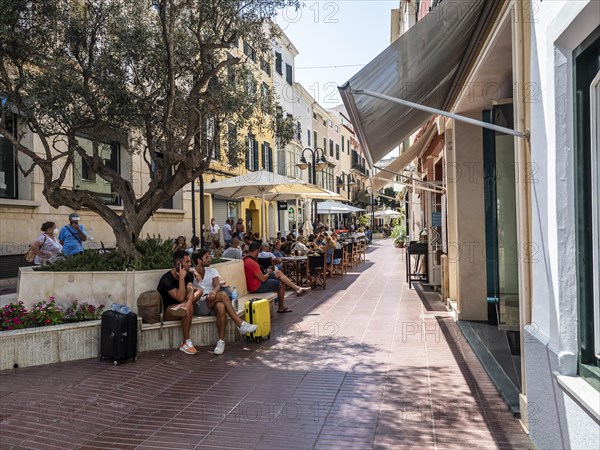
{"x":399,"y":235}
{"x":82,"y":312}
{"x":14,"y":316}
{"x":45,"y":314}
{"x":156,"y":253}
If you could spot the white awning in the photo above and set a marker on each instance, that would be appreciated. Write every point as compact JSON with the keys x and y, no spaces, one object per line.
{"x":421,"y":67}
{"x":380,"y":179}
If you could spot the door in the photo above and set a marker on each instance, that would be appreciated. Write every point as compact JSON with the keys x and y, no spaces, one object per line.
{"x":501,"y":220}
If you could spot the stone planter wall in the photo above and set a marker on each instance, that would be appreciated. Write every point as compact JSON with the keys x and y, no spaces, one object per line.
{"x":47,"y":345}
{"x":105,"y":288}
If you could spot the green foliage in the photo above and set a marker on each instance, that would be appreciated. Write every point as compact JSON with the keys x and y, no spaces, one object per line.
{"x":14,"y":316}
{"x":45,"y":314}
{"x":363,"y":221}
{"x":167,"y":80}
{"x":398,"y":234}
{"x":155,"y":252}
{"x":82,"y":312}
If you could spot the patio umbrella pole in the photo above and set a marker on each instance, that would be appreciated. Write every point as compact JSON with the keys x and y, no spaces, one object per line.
{"x":264,"y":217}
{"x":296,"y":217}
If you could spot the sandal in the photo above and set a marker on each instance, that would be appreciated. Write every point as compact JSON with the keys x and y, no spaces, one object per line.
{"x":303,"y":291}
{"x":286,"y":310}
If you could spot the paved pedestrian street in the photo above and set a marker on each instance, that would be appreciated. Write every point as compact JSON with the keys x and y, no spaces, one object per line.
{"x":365,"y":363}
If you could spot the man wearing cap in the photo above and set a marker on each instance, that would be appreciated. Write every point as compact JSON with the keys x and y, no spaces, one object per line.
{"x":72,"y":236}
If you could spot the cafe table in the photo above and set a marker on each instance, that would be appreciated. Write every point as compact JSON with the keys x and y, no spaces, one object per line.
{"x":294,"y":268}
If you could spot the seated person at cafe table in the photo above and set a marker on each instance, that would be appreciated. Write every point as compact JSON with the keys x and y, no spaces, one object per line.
{"x":271,"y":281}
{"x":266,"y":253}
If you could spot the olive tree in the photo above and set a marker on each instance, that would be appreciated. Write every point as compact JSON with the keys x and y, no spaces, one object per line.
{"x":169,"y":75}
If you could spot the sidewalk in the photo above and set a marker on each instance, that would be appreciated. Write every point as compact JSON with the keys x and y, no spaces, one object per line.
{"x":363,"y":364}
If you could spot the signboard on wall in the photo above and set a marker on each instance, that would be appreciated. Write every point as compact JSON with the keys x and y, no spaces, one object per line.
{"x":282,"y":206}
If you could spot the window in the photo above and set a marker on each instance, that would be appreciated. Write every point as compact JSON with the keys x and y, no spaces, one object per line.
{"x":315,"y":136}
{"x":289,"y":76}
{"x":337,"y":129}
{"x":265,"y":66}
{"x":314,"y":115}
{"x":337,"y":151}
{"x":278,"y":63}
{"x":85,"y":178}
{"x":342,"y":144}
{"x":267,"y":157}
{"x":330,"y":148}
{"x":232,"y":136}
{"x":308,"y":137}
{"x":281,"y":162}
{"x":587,"y":212}
{"x":8,"y":163}
{"x":265,"y":89}
{"x":330,"y":123}
{"x":324,"y":146}
{"x":299,"y":131}
{"x":249,"y":51}
{"x":251,"y":153}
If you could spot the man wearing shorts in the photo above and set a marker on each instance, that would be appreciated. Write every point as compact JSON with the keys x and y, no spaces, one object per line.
{"x":178,"y":295}
{"x":215,"y":301}
{"x":258,"y":282}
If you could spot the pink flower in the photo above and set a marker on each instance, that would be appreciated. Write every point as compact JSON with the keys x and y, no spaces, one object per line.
{"x":47,"y":321}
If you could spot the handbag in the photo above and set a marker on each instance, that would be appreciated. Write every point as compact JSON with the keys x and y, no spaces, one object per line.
{"x":30,"y":255}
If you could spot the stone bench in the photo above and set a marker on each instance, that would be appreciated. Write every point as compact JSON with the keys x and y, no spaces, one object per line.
{"x":204,"y":329}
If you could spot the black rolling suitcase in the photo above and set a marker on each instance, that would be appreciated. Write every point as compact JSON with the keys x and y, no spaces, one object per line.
{"x":118,"y":336}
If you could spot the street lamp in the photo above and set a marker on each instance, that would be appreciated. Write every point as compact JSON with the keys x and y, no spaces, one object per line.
{"x":369,"y":190}
{"x":318,"y":161}
{"x":345,"y":179}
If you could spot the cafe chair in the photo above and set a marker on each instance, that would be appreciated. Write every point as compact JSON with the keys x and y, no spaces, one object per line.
{"x":349,"y":259}
{"x":339,"y":268}
{"x":265,"y":263}
{"x":316,"y":270}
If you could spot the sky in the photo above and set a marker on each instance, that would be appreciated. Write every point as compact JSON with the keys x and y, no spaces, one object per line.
{"x":332,"y":34}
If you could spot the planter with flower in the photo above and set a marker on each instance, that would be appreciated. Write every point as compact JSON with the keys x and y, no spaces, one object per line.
{"x":399,"y":236}
{"x":47,"y":333}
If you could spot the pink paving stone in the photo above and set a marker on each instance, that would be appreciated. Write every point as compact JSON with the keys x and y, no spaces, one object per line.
{"x":345,"y":370}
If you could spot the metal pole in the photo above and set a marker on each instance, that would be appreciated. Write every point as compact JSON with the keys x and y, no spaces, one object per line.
{"x":201,"y":180}
{"x":372,"y":212}
{"x":193,"y":208}
{"x":314,"y":171}
{"x":458,"y":117}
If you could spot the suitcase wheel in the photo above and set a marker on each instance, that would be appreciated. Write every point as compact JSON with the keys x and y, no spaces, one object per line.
{"x":134,"y":359}
{"x":257,"y":340}
{"x":269,"y":336}
{"x":115,"y":363}
{"x":100,"y":358}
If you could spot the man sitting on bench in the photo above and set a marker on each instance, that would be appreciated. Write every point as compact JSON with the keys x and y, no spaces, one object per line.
{"x":178,"y":296}
{"x":258,"y":282}
{"x":214,"y":301}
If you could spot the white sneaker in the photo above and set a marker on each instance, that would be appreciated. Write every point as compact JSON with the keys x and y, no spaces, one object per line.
{"x":246,"y":328}
{"x":220,"y":348}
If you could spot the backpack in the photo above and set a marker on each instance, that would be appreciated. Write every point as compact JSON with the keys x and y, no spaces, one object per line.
{"x":150,"y":307}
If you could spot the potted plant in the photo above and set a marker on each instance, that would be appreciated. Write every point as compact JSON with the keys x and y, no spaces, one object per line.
{"x":399,"y":236}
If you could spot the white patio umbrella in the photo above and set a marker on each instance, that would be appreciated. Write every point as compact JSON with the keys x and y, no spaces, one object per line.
{"x":259,"y":184}
{"x":388,"y":213}
{"x":331,"y":207}
{"x":325,"y":194}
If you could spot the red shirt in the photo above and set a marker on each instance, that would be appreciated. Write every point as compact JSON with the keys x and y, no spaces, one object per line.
{"x":252,"y":269}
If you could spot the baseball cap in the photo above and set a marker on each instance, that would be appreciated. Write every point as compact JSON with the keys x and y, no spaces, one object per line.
{"x":74,"y":217}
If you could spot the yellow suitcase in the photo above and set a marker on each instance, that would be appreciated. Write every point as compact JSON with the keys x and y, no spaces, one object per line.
{"x":258,"y":313}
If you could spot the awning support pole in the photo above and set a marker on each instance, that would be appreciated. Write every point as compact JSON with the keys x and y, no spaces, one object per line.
{"x":458,"y":117}
{"x":428,"y":186}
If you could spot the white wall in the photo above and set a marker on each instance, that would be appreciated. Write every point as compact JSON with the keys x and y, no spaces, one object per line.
{"x":551,"y":341}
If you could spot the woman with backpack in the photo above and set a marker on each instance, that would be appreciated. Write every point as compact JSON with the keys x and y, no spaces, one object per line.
{"x":46,"y":247}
